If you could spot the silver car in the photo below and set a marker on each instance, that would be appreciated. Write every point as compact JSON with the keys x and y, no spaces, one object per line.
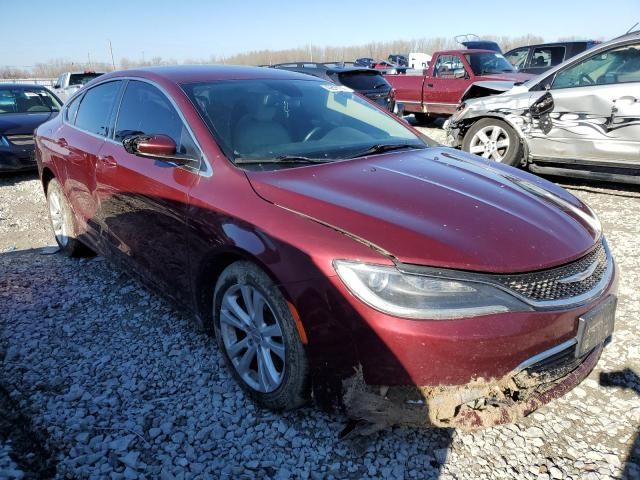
{"x":581,"y":119}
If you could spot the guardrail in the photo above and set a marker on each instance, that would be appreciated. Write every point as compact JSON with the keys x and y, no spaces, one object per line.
{"x":45,"y":82}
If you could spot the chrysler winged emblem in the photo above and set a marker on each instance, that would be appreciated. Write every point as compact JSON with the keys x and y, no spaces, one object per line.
{"x":580,"y":276}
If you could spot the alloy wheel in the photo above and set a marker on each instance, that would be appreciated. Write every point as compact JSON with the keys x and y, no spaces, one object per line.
{"x":490,"y":142}
{"x":58,"y":215}
{"x":252,"y":337}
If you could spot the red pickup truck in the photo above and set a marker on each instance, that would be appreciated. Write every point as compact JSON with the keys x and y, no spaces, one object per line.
{"x":438,"y":90}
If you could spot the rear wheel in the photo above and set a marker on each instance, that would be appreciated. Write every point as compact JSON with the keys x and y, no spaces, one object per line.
{"x":493,"y":139}
{"x":63,"y":222}
{"x":258,"y":337}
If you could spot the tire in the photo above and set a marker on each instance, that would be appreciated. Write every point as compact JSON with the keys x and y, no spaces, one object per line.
{"x":63,"y":222}
{"x":485,"y":138}
{"x":424,"y":118}
{"x":276,"y":374}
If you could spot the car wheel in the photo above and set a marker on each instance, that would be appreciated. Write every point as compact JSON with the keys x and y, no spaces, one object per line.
{"x":63,"y":222}
{"x":495,"y":140}
{"x":424,"y":118}
{"x":258,"y":337}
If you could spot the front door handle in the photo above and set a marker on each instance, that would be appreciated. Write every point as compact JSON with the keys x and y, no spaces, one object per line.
{"x":108,"y":161}
{"x":430,"y":85}
{"x":62,"y":142}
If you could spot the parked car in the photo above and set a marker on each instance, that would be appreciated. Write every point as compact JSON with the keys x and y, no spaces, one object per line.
{"x":70,"y":82}
{"x":580,"y":119}
{"x":365,"y":62}
{"x":538,"y":59}
{"x":331,"y":248}
{"x":22,"y":109}
{"x":398,"y":59}
{"x":438,"y":90}
{"x":366,"y":81}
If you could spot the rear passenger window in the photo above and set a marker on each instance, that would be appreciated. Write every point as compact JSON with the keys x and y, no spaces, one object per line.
{"x":72,"y":110}
{"x":547,"y":56}
{"x":94,"y":113}
{"x":146,"y":110}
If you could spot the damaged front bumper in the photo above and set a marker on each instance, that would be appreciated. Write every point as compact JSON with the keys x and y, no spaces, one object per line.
{"x":475,"y":405}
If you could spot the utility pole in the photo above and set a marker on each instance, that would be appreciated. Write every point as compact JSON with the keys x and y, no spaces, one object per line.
{"x":113,"y":62}
{"x":89,"y":59}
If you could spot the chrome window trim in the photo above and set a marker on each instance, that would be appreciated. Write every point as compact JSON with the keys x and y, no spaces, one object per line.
{"x":208,"y":170}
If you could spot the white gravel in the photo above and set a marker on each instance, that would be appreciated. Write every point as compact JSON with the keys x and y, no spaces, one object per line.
{"x":122,"y":385}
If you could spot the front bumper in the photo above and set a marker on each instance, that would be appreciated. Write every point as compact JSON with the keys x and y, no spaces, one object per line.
{"x":15,"y":159}
{"x":468,"y":407}
{"x":453,"y":134}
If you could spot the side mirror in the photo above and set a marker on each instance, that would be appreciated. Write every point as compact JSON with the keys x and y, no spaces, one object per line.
{"x":155,"y":146}
{"x":541,"y":106}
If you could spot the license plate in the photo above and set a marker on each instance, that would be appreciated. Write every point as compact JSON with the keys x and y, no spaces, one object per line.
{"x":595,"y":326}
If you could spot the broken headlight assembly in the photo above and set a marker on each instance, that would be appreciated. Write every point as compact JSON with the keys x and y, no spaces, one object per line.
{"x":390,"y":291}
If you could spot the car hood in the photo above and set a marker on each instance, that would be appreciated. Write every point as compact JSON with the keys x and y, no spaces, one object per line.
{"x":440,"y":207}
{"x":22,"y":123}
{"x":512,"y":77}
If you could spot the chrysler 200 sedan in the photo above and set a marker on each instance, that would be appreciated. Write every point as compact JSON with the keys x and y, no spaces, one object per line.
{"x":333,"y":251}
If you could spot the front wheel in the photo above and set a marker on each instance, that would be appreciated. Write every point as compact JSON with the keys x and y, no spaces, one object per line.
{"x":493,"y":139}
{"x":259,"y":338}
{"x":62,"y":222}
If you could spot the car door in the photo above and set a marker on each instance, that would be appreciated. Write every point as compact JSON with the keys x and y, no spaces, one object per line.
{"x":143,"y":201}
{"x":544,"y":57}
{"x":443,"y":90}
{"x":518,"y":57}
{"x":596,"y":110}
{"x":87,"y":123}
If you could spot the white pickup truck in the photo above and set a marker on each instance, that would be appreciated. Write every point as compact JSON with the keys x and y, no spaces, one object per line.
{"x":70,"y":82}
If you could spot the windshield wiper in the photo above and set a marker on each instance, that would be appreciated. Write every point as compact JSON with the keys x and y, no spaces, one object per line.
{"x":281,"y":159}
{"x":386,"y":147}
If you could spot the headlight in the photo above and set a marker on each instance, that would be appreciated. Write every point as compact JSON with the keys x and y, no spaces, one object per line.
{"x":421,"y":297}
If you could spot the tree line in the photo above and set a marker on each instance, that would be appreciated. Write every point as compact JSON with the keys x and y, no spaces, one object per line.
{"x":314,"y":53}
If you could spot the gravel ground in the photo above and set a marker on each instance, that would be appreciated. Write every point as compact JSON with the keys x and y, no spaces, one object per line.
{"x":107,"y":379}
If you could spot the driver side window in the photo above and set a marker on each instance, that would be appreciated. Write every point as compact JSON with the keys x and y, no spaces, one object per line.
{"x":619,"y":65}
{"x":449,"y":66}
{"x":146,"y":110}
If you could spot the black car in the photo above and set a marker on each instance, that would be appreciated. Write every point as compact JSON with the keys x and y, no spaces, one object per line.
{"x":22,"y":109}
{"x":399,"y":59}
{"x":366,"y":81}
{"x":540,"y":58}
{"x":365,"y":62}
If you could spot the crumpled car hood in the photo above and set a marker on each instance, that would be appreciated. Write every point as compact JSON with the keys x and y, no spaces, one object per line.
{"x":440,"y":207}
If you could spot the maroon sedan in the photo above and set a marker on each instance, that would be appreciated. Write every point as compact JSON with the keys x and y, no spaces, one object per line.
{"x":333,"y":250}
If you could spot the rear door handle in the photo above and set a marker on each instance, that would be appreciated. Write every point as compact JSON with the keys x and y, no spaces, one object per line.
{"x":62,"y":142}
{"x":108,"y":161}
{"x":430,"y":85}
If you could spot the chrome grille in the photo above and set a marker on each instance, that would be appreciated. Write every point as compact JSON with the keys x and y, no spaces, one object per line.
{"x":553,"y":284}
{"x":20,"y":140}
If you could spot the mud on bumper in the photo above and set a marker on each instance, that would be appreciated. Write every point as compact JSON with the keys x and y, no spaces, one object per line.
{"x":472,"y":406}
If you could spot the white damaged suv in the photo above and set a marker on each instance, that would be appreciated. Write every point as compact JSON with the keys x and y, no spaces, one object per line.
{"x":580,"y":119}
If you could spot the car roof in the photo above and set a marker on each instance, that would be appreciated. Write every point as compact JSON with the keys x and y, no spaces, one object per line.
{"x":551,"y":44}
{"x":23,"y":86}
{"x":201,"y":73}
{"x":462,"y":51}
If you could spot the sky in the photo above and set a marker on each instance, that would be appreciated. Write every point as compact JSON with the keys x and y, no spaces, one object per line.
{"x":35,"y":31}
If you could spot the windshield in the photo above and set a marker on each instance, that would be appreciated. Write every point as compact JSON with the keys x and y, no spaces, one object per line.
{"x":82,"y":78}
{"x":488,"y":63}
{"x":290,"y":119}
{"x":27,"y":100}
{"x":364,"y":80}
